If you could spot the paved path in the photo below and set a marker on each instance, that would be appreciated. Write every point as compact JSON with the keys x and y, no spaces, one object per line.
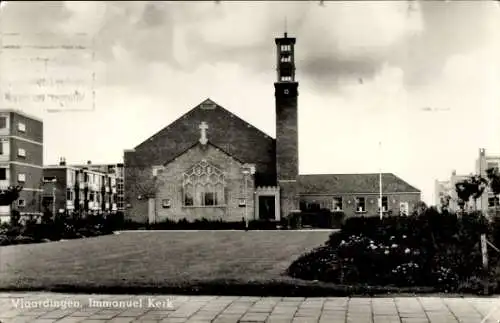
{"x":49,"y":307}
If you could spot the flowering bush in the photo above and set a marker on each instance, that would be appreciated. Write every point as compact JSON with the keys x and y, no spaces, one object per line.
{"x":438,"y":249}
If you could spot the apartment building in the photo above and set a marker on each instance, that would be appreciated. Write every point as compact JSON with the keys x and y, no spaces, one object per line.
{"x":486,"y":202}
{"x":484,"y":162}
{"x":447,"y":190}
{"x":79,"y":188}
{"x":117,"y":171}
{"x":21,"y":161}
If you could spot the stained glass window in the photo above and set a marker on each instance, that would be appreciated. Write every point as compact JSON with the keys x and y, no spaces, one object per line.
{"x":203,"y":185}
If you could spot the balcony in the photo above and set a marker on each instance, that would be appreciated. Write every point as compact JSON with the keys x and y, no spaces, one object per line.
{"x":4,"y":184}
{"x":5,"y":156}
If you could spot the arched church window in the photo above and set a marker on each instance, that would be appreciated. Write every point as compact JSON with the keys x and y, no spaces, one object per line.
{"x":203,"y":185}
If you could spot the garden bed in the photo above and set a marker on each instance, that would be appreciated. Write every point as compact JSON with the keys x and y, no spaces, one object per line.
{"x":441,"y":250}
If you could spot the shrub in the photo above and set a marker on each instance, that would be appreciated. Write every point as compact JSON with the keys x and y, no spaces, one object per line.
{"x":320,"y":264}
{"x":430,"y":248}
{"x":262,"y":225}
{"x":5,"y":240}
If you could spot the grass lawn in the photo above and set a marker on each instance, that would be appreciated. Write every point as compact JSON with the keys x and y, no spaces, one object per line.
{"x":147,"y":262}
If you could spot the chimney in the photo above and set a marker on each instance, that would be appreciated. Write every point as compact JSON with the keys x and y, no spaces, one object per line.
{"x":454,"y":173}
{"x":62,"y":161}
{"x":89,"y":162}
{"x":482,"y":152}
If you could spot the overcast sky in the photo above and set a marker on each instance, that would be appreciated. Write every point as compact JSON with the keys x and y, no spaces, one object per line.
{"x":421,"y":77}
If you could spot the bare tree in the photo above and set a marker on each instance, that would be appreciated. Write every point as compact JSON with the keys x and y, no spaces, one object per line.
{"x":142,"y":182}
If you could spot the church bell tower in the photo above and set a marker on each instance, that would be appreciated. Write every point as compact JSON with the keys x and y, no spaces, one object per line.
{"x":287,"y":154}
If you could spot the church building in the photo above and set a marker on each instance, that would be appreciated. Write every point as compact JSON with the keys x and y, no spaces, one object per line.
{"x":211,"y":164}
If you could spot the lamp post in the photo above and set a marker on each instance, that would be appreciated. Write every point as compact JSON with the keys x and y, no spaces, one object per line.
{"x":380,"y":183}
{"x":54,"y":181}
{"x":249,"y":170}
{"x":245,"y":174}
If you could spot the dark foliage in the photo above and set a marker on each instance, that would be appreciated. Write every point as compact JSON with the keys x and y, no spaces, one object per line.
{"x":60,"y":226}
{"x":10,"y":195}
{"x":430,"y":249}
{"x":322,"y":218}
{"x":206,"y":224}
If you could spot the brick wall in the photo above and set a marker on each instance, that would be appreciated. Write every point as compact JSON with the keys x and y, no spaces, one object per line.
{"x":33,"y":176}
{"x":34,"y":152}
{"x":170,"y":187}
{"x":371,"y":202}
{"x":60,"y":185}
{"x":34,"y":128}
{"x":32,"y":200}
{"x":225,"y":130}
{"x":288,"y":198}
{"x":287,"y":154}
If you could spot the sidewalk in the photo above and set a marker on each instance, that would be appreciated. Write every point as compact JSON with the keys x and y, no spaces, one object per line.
{"x":51,"y":307}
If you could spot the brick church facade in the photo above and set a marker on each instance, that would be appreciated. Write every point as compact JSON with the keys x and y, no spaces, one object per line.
{"x":211,"y":164}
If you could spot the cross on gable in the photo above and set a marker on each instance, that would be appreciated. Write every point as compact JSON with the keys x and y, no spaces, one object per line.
{"x":203,"y":136}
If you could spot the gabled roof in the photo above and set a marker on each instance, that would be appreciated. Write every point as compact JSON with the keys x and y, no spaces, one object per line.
{"x":352,"y":183}
{"x":215,"y":115}
{"x":226,"y":131}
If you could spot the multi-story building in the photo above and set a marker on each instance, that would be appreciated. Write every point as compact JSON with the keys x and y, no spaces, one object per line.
{"x":79,"y":188}
{"x":488,"y":200}
{"x":21,"y":161}
{"x":117,"y":171}
{"x":446,"y":190}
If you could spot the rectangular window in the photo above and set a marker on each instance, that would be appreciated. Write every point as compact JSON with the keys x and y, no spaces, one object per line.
{"x":242,"y":202}
{"x":286,"y":78}
{"x":3,"y":174}
{"x":1,"y":147}
{"x":188,"y":198}
{"x":21,"y":152}
{"x":69,"y":195}
{"x":21,"y":203}
{"x":385,"y":204}
{"x":21,"y":127}
{"x":286,"y":58}
{"x":492,"y":200}
{"x":3,"y":122}
{"x":157,"y":170}
{"x":165,"y":203}
{"x":209,"y":199}
{"x":337,"y":204}
{"x":21,"y":177}
{"x":286,"y":48}
{"x":49,"y":178}
{"x":360,"y":204}
{"x":91,"y":196}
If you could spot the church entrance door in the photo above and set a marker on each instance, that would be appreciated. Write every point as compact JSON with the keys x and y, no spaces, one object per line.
{"x":267,"y":207}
